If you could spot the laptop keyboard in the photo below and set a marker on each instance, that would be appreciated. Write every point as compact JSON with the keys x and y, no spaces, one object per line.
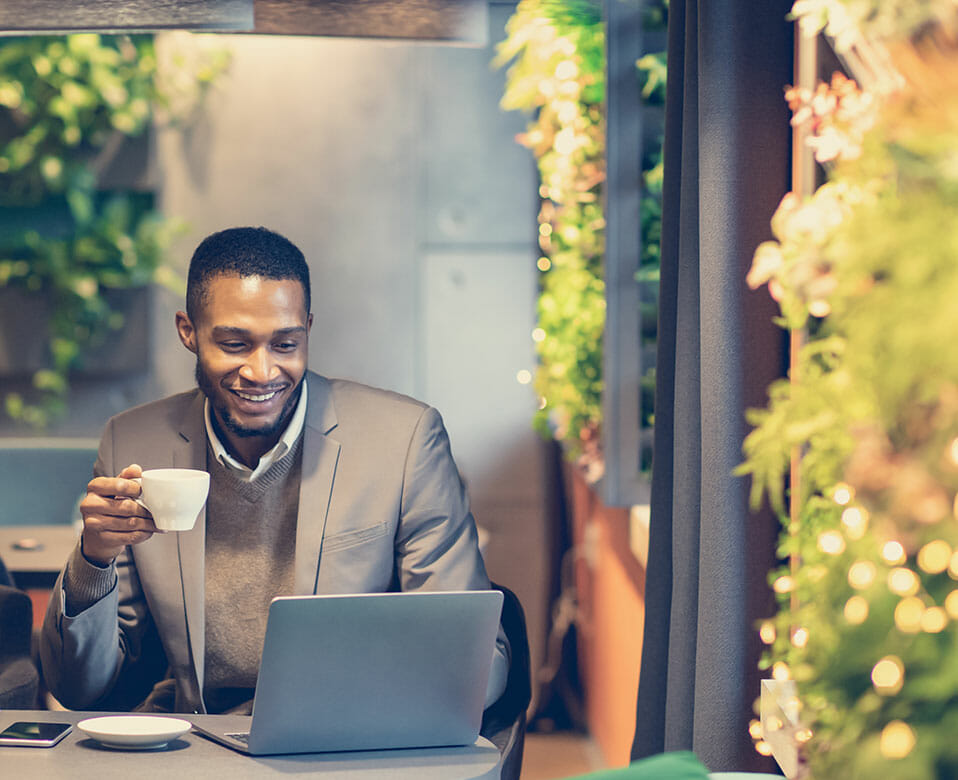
{"x":240,"y":736}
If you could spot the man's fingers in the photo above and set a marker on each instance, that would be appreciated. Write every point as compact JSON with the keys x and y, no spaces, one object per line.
{"x":113,"y":486}
{"x":131,"y":472}
{"x":104,"y":521}
{"x":95,"y":504}
{"x":124,"y":538}
{"x":112,"y":520}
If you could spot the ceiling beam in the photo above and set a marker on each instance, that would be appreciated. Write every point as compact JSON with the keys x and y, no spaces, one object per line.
{"x":452,"y":21}
{"x":463,"y":22}
{"x":48,"y":17}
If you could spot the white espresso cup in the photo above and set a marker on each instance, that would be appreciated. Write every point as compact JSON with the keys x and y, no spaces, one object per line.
{"x":174,"y":496}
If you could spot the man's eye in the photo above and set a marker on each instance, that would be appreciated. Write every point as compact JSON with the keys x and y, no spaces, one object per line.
{"x":232,"y":346}
{"x":286,"y":346}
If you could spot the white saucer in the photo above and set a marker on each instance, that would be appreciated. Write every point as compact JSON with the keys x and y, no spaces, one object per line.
{"x":134,"y":732}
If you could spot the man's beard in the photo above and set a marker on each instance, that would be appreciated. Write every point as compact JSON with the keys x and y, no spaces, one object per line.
{"x":234,"y":426}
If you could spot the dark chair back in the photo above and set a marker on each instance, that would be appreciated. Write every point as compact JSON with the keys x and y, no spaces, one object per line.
{"x":504,"y":721}
{"x":19,"y":678}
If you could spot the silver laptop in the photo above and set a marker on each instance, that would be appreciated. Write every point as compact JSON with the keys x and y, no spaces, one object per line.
{"x":370,"y":671}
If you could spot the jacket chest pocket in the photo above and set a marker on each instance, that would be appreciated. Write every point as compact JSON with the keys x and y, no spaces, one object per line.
{"x":346,"y":539}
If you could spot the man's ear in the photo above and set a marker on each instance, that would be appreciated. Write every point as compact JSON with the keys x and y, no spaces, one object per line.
{"x":186,"y":331}
{"x":309,"y":322}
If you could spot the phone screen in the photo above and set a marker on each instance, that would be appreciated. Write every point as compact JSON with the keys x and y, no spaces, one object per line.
{"x":40,"y":733}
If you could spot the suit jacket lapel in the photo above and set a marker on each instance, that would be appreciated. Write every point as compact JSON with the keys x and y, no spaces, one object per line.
{"x":320,"y":456}
{"x":190,"y":453}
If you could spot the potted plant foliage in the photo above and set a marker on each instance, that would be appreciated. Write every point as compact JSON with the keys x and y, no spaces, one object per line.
{"x":72,"y":239}
{"x":866,"y":267}
{"x":557,"y":53}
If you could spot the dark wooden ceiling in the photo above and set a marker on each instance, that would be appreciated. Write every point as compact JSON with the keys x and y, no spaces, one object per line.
{"x":461,"y":22}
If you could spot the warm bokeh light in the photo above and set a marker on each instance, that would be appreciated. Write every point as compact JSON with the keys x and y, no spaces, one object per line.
{"x":843,"y":493}
{"x":953,"y":451}
{"x":803,"y":735}
{"x":897,"y":740}
{"x":856,"y":610}
{"x":565,"y":141}
{"x":538,"y":335}
{"x":855,"y":520}
{"x":566,"y":111}
{"x":903,"y":581}
{"x":934,"y":620}
{"x":935,"y":556}
{"x":861,"y":574}
{"x":780,"y":671}
{"x":763,"y":748}
{"x":908,"y":615}
{"x":567,"y":69}
{"x":543,"y":264}
{"x":523,"y":376}
{"x":800,"y":637}
{"x":545,"y":229}
{"x":953,"y":566}
{"x":767,"y":632}
{"x":755,"y":729}
{"x":784,"y":584}
{"x":819,"y":308}
{"x":831,"y":542}
{"x":893,"y":552}
{"x":888,"y":675}
{"x":951,"y":604}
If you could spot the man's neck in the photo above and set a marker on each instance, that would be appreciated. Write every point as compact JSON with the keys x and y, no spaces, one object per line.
{"x":245,"y":449}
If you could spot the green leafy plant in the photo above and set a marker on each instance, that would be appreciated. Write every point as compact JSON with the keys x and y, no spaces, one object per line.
{"x":868,"y":604}
{"x":66,"y":106}
{"x":557,"y":51}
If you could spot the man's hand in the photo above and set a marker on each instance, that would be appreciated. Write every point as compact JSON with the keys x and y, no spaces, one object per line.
{"x":111,"y":518}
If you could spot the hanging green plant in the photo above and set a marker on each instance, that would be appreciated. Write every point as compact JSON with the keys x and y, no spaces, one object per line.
{"x":868,"y":610}
{"x":557,"y":74}
{"x":67,"y":105}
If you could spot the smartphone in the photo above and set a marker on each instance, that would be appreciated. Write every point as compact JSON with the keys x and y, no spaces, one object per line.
{"x":32,"y":734}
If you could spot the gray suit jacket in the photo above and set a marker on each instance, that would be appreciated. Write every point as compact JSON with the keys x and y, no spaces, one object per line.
{"x":381,"y":507}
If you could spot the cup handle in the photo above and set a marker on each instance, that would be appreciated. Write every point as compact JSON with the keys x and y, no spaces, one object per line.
{"x":142,"y":504}
{"x":139,"y":481}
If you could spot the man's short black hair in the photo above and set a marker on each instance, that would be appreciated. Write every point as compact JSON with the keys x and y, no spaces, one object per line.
{"x":243,"y":251}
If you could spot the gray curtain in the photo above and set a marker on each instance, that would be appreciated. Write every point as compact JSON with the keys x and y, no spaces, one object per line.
{"x":727,"y":164}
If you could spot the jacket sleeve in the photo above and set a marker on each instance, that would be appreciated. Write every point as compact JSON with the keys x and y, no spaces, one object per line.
{"x":108,"y":655}
{"x":437,"y":546}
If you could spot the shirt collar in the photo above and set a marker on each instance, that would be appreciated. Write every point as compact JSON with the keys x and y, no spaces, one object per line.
{"x":284,"y":445}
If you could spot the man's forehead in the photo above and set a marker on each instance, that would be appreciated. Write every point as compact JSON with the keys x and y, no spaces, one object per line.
{"x":252,"y":302}
{"x":231,"y":289}
{"x":248,"y":282}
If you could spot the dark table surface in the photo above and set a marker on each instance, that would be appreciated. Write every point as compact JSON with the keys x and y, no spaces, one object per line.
{"x":194,"y":756}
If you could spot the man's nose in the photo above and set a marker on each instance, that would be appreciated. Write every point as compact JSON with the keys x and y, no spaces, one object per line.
{"x":259,"y":368}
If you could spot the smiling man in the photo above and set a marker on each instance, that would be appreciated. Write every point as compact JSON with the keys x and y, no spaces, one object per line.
{"x":316,"y":486}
